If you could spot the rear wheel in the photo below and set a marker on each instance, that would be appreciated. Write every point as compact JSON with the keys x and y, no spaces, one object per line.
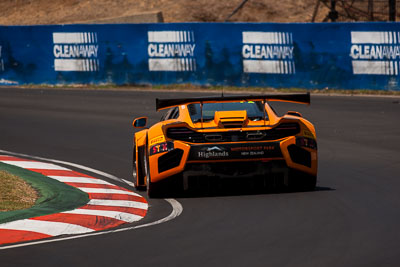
{"x":302,"y":181}
{"x":152,"y":188}
{"x":310,"y":183}
{"x":134,"y":171}
{"x":137,"y":169}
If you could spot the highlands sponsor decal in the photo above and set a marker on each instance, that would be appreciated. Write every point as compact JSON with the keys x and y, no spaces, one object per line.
{"x":375,"y":53}
{"x":268,"y":52}
{"x":235,"y":151}
{"x":75,"y":51}
{"x":171,"y":50}
{"x":253,"y":148}
{"x":212,"y":154}
{"x":215,"y":148}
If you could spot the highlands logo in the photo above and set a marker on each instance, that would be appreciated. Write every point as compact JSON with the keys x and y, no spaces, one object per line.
{"x":268,"y":52}
{"x":214,"y":148}
{"x":213,"y":152}
{"x":75,"y":51}
{"x":375,"y":53}
{"x":171,"y":50}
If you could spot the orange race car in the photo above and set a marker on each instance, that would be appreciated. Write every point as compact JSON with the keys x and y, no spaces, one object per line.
{"x":225,"y":137}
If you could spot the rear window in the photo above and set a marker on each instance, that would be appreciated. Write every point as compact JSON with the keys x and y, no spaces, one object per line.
{"x":254,"y":110}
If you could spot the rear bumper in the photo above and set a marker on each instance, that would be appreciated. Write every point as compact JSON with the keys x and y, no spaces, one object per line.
{"x":233,"y":159}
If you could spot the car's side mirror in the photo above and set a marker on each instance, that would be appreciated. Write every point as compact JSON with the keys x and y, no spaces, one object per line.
{"x":140,"y":122}
{"x":294,"y":113}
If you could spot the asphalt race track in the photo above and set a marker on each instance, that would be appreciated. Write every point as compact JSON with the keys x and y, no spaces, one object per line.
{"x":352,"y":219}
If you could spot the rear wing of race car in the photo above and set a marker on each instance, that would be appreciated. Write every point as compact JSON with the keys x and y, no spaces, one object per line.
{"x":294,"y":98}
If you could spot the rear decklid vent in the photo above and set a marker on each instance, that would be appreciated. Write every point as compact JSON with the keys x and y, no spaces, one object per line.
{"x":231,"y":119}
{"x":185,"y":134}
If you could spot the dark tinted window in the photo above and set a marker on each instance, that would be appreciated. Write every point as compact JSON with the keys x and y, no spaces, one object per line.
{"x":174,"y":113}
{"x":171,"y":114}
{"x":254,"y":110}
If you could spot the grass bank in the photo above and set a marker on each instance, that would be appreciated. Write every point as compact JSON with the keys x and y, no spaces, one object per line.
{"x":15,"y":192}
{"x":54,"y":196}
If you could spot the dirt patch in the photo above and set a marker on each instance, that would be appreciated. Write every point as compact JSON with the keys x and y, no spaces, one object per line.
{"x":15,"y":193}
{"x":28,"y":12}
{"x":25,"y":12}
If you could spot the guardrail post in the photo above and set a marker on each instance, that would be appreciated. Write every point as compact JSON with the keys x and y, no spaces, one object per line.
{"x":333,"y":14}
{"x":392,"y":10}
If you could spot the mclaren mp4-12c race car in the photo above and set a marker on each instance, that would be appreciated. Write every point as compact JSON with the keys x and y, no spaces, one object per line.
{"x":237,"y":137}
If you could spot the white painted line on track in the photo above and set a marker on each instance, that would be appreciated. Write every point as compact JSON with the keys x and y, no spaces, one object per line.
{"x":104,"y":174}
{"x":107,"y":191}
{"x":34,"y":165}
{"x":72,"y":179}
{"x":45,"y":227}
{"x":123,"y":216}
{"x":118,"y":203}
{"x":176,"y":211}
{"x":128,"y":182}
{"x":177,"y":208}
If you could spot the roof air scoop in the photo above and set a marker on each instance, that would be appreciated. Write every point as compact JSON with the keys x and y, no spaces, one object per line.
{"x":231,"y":119}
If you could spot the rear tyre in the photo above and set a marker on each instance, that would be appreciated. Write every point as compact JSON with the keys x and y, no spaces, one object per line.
{"x":310,"y":183}
{"x":300,"y":181}
{"x":134,"y":171}
{"x":152,"y":188}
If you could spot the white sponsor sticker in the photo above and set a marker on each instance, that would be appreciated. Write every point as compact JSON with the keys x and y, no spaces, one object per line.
{"x":75,"y":51}
{"x":171,"y":50}
{"x":268,"y":52}
{"x":375,"y":53}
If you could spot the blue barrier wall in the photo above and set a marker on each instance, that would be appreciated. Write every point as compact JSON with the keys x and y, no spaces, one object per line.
{"x":319,"y":55}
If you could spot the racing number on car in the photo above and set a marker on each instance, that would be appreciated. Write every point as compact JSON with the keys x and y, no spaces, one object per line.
{"x":163,"y":147}
{"x":160,"y":148}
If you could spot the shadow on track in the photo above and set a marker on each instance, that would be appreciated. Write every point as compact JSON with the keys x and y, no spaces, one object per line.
{"x":233,"y":187}
{"x":230,"y":192}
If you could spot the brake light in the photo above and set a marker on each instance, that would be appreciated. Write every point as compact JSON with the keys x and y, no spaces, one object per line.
{"x":288,"y":127}
{"x":306,"y":142}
